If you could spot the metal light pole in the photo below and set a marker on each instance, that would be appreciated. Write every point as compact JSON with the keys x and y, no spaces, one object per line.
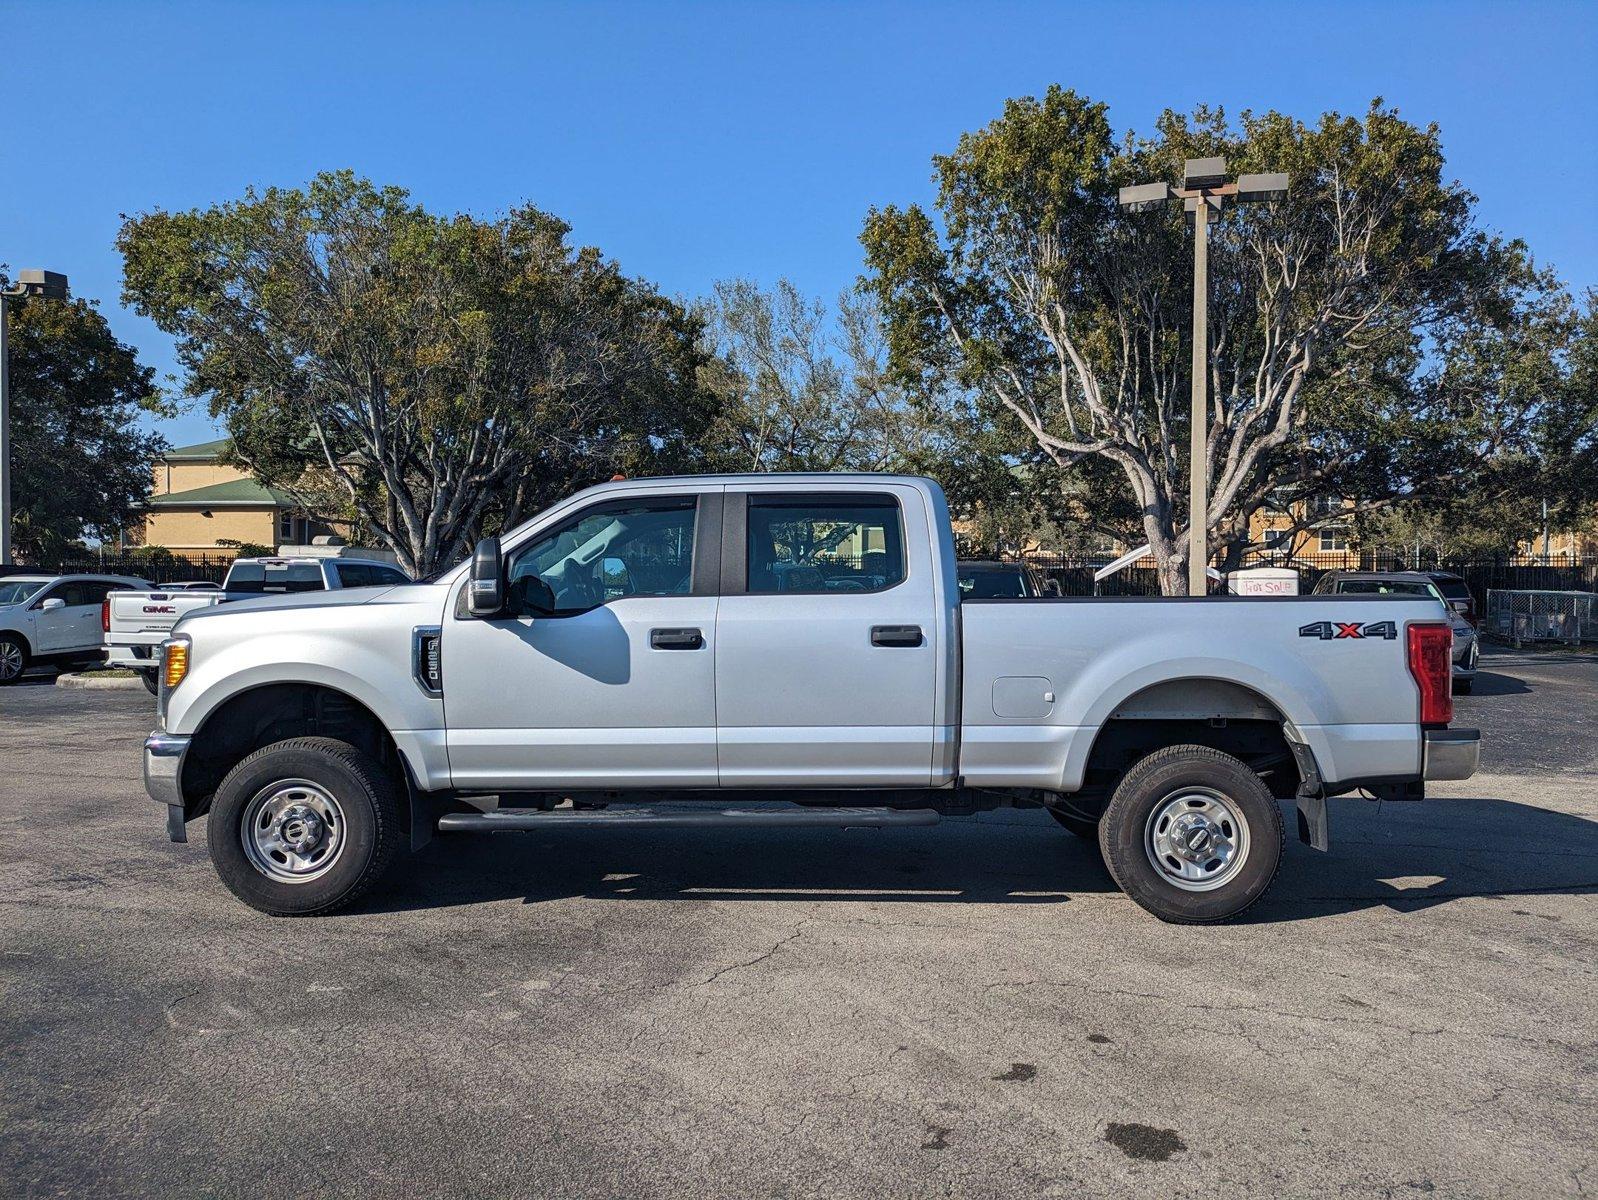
{"x":48,"y":285}
{"x":1204,"y":191}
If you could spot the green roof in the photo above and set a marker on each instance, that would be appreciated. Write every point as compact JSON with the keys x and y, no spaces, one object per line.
{"x":201,"y":452}
{"x":235,"y":493}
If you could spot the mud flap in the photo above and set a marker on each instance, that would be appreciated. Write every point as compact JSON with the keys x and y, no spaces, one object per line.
{"x":175,"y":830}
{"x":1314,"y":827}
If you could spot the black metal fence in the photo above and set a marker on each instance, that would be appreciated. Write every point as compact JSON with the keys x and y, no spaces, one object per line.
{"x":155,"y":568}
{"x":1577,"y":573}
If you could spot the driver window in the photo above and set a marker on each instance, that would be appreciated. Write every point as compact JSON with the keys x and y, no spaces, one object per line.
{"x":607,"y":553}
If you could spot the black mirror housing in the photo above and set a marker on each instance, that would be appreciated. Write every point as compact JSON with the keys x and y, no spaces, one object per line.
{"x":485,"y":592}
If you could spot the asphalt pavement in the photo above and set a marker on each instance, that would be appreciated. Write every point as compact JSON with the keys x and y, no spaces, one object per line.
{"x":967,"y":1010}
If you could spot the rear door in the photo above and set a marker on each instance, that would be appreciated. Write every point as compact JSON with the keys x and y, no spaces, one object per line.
{"x":610,"y":682}
{"x":827,"y":638}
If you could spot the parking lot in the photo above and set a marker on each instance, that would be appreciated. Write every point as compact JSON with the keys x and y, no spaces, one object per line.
{"x":967,"y":1010}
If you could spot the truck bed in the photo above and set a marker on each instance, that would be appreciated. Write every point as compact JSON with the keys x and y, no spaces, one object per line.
{"x":1040,"y":676}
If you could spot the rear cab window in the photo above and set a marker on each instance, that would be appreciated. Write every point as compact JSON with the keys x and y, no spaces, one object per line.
{"x":273,"y":578}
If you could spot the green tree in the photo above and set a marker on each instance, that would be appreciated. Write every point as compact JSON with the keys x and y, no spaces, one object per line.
{"x":80,"y":462}
{"x":1335,"y":314}
{"x":448,"y":373}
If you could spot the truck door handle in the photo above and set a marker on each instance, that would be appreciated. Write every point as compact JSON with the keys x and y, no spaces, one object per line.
{"x":896,"y":635}
{"x":676,"y":639}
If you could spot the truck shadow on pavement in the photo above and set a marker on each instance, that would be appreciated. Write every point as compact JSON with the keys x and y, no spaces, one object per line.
{"x":1400,"y":857}
{"x":1491,"y":683}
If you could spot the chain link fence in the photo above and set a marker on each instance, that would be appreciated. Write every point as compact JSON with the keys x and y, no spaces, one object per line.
{"x":1521,"y":615}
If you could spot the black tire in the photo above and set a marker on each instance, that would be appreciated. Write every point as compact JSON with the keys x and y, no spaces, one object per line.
{"x":1462,"y":686}
{"x":152,"y":683}
{"x":1158,"y":781}
{"x":372,"y":834}
{"x":14,"y":658}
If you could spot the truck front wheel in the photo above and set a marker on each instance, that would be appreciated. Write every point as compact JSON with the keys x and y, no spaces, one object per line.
{"x":1192,"y":834}
{"x":304,"y":827}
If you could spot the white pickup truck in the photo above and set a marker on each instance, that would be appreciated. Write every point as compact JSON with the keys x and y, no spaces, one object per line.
{"x":136,"y":623}
{"x":799,"y":638}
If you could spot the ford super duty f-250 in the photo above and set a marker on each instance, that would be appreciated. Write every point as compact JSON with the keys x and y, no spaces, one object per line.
{"x":799,"y":638}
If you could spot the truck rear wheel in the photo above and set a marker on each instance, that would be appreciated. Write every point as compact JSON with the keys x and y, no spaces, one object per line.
{"x":1192,"y":834}
{"x":152,"y":682}
{"x":304,"y":827}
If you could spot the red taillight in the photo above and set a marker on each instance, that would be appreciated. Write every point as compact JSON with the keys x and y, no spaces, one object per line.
{"x":1431,"y":653}
{"x":105,"y":615}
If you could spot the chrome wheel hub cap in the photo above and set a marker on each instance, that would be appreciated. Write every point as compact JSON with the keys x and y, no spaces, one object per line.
{"x":293,"y":831}
{"x":1197,"y":839}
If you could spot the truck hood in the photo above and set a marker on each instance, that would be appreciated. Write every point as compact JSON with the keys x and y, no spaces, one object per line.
{"x":295,"y":600}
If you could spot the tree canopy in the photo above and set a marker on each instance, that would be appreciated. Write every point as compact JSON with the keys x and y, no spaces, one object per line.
{"x":1368,"y":341}
{"x":442,"y":372}
{"x":80,"y":460}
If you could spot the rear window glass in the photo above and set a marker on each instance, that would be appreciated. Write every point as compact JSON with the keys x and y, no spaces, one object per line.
{"x":812,"y":544}
{"x":991,"y":583}
{"x":275,"y":577}
{"x":1454,"y":589}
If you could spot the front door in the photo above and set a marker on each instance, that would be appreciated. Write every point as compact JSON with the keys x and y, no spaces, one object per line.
{"x":613,"y":688}
{"x":827,"y":639}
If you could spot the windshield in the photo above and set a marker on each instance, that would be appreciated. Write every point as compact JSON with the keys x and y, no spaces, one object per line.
{"x":15,"y":591}
{"x":991,"y":583}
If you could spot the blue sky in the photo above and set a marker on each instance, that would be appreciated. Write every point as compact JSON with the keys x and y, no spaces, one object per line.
{"x":699,"y":141}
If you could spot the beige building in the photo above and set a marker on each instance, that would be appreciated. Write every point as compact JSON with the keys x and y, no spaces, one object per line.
{"x":199,"y":501}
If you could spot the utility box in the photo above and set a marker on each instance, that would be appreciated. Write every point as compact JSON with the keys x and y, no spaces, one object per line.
{"x":1263,"y":581}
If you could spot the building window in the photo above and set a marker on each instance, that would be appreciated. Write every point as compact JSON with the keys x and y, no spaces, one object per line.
{"x":1334,"y":539}
{"x":285,"y":528}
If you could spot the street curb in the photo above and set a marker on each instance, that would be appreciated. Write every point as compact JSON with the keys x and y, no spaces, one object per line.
{"x":73,"y":680}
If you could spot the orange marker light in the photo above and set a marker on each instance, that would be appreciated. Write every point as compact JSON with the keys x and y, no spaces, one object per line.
{"x":176,"y":665}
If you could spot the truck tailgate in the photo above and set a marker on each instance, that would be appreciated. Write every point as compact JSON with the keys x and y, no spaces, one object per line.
{"x":144,"y":618}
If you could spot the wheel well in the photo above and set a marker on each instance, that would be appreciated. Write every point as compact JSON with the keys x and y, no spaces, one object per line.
{"x":1217,"y":713}
{"x":21,"y":637}
{"x":268,"y":714}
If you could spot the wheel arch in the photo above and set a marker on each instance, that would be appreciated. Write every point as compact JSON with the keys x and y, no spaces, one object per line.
{"x":1223,"y":714}
{"x":274,"y":712}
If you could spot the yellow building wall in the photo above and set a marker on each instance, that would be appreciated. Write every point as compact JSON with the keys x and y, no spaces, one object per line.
{"x":194,"y":532}
{"x":184,"y":476}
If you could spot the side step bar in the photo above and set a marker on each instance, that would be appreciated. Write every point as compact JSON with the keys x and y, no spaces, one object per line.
{"x":629,"y":818}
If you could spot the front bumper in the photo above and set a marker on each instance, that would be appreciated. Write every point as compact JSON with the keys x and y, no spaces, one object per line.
{"x":1450,"y":753}
{"x":163,"y":777}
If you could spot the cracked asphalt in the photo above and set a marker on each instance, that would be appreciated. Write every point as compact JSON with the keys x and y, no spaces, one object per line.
{"x":967,"y":1010}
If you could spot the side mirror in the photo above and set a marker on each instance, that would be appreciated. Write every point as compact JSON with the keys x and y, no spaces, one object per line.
{"x":614,"y":577}
{"x":1051,"y":587}
{"x":485,"y":593}
{"x":52,"y":604}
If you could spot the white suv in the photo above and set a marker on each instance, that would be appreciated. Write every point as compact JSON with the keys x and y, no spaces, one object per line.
{"x":53,"y":618}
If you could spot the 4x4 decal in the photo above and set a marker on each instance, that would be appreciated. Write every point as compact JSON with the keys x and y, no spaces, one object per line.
{"x":1332,"y":630}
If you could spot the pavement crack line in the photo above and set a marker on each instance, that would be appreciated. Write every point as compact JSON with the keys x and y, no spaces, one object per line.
{"x":759,"y":958}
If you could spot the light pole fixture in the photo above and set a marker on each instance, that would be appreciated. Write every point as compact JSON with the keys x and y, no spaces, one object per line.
{"x":45,"y":285}
{"x":1204,"y":191}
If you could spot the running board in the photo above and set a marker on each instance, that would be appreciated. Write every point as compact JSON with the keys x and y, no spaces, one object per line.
{"x":779,"y":818}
